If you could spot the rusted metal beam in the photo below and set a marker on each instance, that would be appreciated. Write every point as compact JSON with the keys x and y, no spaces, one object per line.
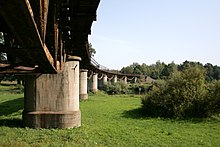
{"x":20,"y":18}
{"x":10,"y":69}
{"x":40,"y":10}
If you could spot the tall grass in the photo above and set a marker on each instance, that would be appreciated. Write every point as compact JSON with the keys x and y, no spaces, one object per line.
{"x":107,"y":121}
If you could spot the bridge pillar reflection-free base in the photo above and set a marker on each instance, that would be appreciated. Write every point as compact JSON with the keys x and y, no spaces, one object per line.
{"x":83,"y":84}
{"x":52,"y":100}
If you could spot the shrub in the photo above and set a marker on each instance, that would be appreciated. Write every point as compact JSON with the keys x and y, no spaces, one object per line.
{"x":116,"y":88}
{"x":212,"y":101}
{"x":184,"y":95}
{"x":140,"y":88}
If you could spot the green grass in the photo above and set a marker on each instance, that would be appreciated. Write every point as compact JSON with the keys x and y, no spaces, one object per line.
{"x":106,"y":121}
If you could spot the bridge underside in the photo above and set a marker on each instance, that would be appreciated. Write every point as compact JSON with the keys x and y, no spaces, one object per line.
{"x":40,"y":35}
{"x":48,"y":38}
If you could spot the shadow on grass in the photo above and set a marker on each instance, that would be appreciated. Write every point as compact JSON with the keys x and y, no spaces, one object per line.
{"x":13,"y":123}
{"x":140,"y":114}
{"x":135,"y":114}
{"x":7,"y":109}
{"x":11,"y":106}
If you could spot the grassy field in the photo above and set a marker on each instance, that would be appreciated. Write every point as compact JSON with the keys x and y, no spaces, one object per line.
{"x":106,"y":121}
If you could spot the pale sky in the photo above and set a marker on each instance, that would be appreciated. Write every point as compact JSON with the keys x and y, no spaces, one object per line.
{"x":145,"y":31}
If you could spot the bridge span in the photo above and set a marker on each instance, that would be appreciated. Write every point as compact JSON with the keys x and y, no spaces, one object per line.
{"x":47,"y":41}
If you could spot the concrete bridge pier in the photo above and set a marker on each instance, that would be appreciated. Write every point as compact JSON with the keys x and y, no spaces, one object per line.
{"x":115,"y":79}
{"x":105,"y":79}
{"x":135,"y":80}
{"x":94,"y":82}
{"x":52,"y":100}
{"x":83,"y":84}
{"x":102,"y":81}
{"x":125,"y":80}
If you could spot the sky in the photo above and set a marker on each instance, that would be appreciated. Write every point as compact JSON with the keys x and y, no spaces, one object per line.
{"x":147,"y":31}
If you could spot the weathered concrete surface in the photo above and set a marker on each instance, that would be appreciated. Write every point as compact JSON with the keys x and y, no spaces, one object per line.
{"x":115,"y":79}
{"x":52,"y":100}
{"x":125,"y":80}
{"x":83,"y":84}
{"x":94,"y":82}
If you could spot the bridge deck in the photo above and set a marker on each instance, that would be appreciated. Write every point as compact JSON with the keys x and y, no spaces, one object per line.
{"x":41,"y":34}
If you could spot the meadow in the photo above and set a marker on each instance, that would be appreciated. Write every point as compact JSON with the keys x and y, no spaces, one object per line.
{"x":107,"y":120}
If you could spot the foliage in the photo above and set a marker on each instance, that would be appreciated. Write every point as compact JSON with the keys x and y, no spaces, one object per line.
{"x":212,"y":100}
{"x":168,"y":70}
{"x":10,"y":78}
{"x":92,"y":51}
{"x":153,"y":70}
{"x":140,"y":88}
{"x":116,"y":88}
{"x":7,"y":77}
{"x":184,"y":95}
{"x":213,"y":72}
{"x":106,"y":121}
{"x":164,"y":71}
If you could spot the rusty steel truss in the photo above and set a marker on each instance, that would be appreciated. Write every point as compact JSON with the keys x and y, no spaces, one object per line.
{"x":39,"y":35}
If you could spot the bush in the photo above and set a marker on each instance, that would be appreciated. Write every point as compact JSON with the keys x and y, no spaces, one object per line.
{"x":212,"y":101}
{"x":116,"y":88}
{"x":184,"y":95}
{"x":140,"y":88}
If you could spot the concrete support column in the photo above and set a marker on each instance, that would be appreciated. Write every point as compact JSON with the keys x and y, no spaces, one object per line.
{"x":115,"y":79}
{"x":135,"y":80}
{"x":102,"y":81}
{"x":94,"y":82}
{"x":52,"y":100}
{"x":83,"y":84}
{"x":105,"y":79}
{"x":125,"y":80}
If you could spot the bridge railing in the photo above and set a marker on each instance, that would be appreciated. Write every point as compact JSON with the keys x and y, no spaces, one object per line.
{"x":99,"y":66}
{"x":103,"y":68}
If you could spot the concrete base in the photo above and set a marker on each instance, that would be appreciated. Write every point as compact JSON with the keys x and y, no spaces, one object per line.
{"x":53,"y":119}
{"x":94,"y":90}
{"x":83,"y":96}
{"x":52,"y":100}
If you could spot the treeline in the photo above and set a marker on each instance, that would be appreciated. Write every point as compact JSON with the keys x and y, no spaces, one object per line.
{"x":160,"y":70}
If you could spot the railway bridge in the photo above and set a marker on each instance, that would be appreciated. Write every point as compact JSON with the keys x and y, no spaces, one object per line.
{"x":47,"y":41}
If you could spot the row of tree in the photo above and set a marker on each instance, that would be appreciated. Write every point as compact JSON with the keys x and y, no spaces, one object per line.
{"x":160,"y":70}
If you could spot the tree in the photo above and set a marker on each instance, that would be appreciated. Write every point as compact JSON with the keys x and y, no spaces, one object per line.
{"x":156,"y":69}
{"x":187,"y":64}
{"x":210,"y":72}
{"x":145,"y":69}
{"x":216,"y":72}
{"x":168,"y":70}
{"x":135,"y":68}
{"x":127,"y":70}
{"x":138,"y":69}
{"x":92,"y":51}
